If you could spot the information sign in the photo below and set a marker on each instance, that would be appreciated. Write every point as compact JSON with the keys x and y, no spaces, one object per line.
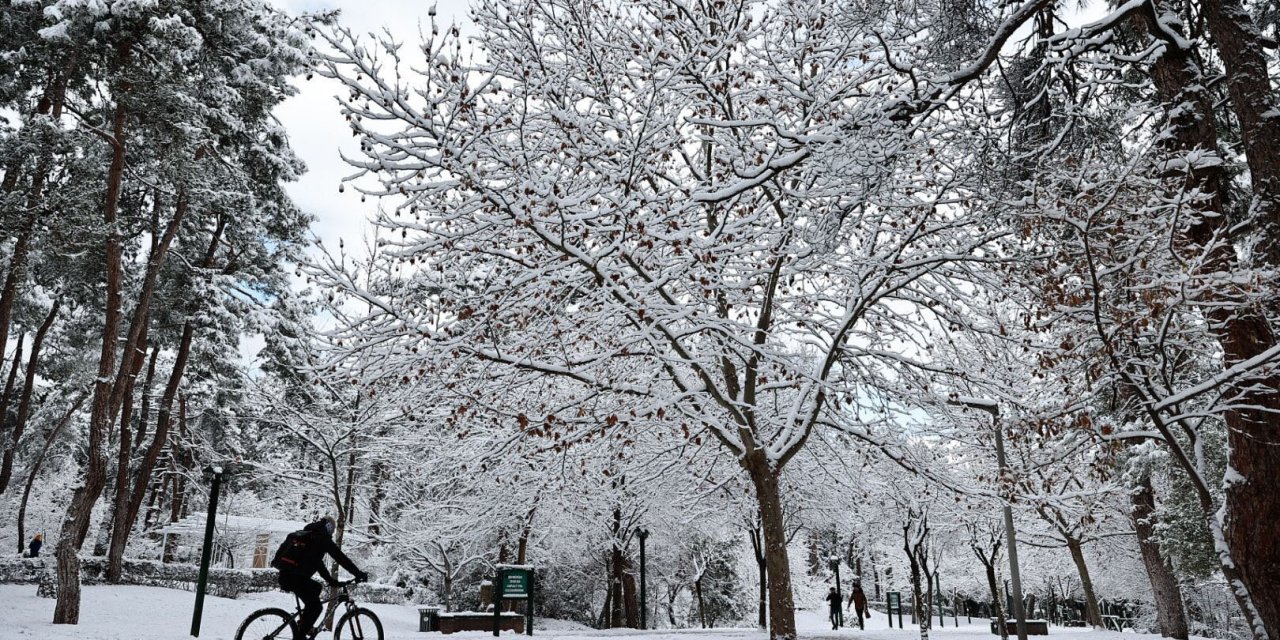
{"x":893,"y":604}
{"x":515,"y":584}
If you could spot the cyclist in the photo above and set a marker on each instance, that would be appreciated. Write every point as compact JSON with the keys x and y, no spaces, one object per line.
{"x":300,"y":557}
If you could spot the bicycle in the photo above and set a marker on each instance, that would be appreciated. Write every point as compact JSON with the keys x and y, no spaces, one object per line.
{"x":274,"y":623}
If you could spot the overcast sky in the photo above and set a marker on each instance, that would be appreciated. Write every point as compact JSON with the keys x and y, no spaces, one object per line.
{"x":318,"y":132}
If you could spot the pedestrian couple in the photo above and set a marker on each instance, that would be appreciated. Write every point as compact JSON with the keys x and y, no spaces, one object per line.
{"x":856,"y":597}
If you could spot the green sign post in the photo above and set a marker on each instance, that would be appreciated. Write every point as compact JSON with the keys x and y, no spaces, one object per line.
{"x":894,"y":605}
{"x":513,"y":583}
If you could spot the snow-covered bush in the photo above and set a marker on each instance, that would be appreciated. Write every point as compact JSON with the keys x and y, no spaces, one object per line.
{"x":227,"y":583}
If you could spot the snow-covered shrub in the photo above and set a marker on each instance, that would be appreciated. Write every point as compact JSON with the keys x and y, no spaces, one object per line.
{"x":380,"y":594}
{"x":227,"y":583}
{"x":21,"y":570}
{"x":561,"y":592}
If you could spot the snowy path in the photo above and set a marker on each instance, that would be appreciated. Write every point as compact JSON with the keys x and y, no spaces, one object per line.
{"x":149,"y":613}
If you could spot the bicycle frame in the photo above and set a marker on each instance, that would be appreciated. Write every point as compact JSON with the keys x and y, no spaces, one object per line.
{"x":330,"y":604}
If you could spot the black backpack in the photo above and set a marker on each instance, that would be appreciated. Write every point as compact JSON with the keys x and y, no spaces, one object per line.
{"x":295,"y":552}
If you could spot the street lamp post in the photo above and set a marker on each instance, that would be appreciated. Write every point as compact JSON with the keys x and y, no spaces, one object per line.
{"x":643,"y":534}
{"x":835,"y":566}
{"x":993,"y":408}
{"x":215,"y":475}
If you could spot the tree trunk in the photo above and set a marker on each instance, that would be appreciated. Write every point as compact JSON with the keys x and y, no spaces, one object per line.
{"x":50,"y":103}
{"x":1243,"y":53}
{"x":616,"y":565}
{"x":24,"y":403}
{"x":1249,"y":559}
{"x":79,"y":510}
{"x":144,"y":414}
{"x":17,"y":261}
{"x":135,"y":353}
{"x":375,"y":502}
{"x":1253,"y":509}
{"x":11,"y":381}
{"x":522,"y":545}
{"x":1164,"y":584}
{"x":782,"y":613}
{"x":155,"y":495}
{"x":916,"y":609}
{"x":875,"y":573}
{"x":702,"y":608}
{"x":177,"y":499}
{"x":346,"y":510}
{"x":177,"y":495}
{"x":630,"y":600}
{"x":997,"y":610}
{"x":102,"y":538}
{"x":127,"y":514}
{"x":927,"y":609}
{"x":608,"y":599}
{"x":124,"y":449}
{"x":916,"y":616}
{"x":127,"y":509}
{"x":37,"y":462}
{"x":1092,"y":615}
{"x":673,"y":592}
{"x":814,"y":558}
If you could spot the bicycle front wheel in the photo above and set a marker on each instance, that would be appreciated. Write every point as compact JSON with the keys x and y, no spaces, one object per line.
{"x":268,"y":624}
{"x":359,"y":624}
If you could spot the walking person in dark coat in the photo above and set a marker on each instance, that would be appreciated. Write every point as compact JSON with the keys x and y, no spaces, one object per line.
{"x":33,"y":549}
{"x":833,"y":600}
{"x":858,"y":599}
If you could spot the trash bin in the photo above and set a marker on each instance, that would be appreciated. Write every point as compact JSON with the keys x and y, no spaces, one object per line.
{"x":428,"y":618}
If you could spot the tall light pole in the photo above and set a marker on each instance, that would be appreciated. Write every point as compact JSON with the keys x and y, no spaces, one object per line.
{"x":835,"y":566}
{"x":216,"y":475}
{"x":992,"y":407}
{"x":643,"y":534}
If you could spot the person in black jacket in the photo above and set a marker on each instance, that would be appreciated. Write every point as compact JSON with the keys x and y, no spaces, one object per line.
{"x":304,"y":559}
{"x":833,"y":601}
{"x":34,"y":548}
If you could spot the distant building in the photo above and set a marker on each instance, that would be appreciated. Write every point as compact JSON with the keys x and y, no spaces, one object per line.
{"x":239,"y":541}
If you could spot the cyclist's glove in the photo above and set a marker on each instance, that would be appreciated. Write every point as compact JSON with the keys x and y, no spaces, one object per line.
{"x":361,"y":576}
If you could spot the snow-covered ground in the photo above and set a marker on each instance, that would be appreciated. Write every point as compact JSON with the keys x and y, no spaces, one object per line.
{"x":150,"y":613}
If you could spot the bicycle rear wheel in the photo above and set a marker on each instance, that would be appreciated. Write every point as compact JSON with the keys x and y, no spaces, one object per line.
{"x":268,"y":624}
{"x":359,"y":624}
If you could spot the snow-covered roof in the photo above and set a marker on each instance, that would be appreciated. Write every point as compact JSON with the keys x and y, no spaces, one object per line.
{"x":194,"y":525}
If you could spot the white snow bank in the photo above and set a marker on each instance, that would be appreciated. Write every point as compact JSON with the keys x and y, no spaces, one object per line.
{"x":153,"y":613}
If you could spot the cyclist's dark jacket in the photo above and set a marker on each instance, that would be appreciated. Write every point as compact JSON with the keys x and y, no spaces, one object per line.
{"x":312,"y":560}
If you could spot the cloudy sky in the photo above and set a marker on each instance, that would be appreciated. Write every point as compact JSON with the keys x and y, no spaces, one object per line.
{"x":318,"y":132}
